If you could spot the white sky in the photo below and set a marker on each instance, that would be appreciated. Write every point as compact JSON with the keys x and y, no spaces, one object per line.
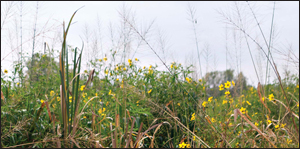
{"x":171,"y":18}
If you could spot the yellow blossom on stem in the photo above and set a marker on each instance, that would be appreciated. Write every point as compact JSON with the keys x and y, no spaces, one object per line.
{"x":51,"y":93}
{"x":188,"y":79}
{"x":42,"y":101}
{"x":105,"y":58}
{"x":243,"y":110}
{"x":193,"y":117}
{"x":204,"y":104}
{"x":256,"y":124}
{"x":182,"y":145}
{"x":82,"y":87}
{"x":213,"y":120}
{"x":5,"y":71}
{"x":224,"y":101}
{"x":282,"y":125}
{"x":233,"y":83}
{"x":227,"y":84}
{"x":289,"y":141}
{"x":221,"y":87}
{"x":248,"y":103}
{"x":100,"y":60}
{"x":209,"y":99}
{"x":178,"y":104}
{"x":269,"y":122}
{"x":271,"y":97}
{"x":227,"y":93}
{"x":149,"y":91}
{"x":136,"y":59}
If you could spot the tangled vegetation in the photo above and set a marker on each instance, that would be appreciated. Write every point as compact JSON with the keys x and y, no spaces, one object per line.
{"x":124,"y":105}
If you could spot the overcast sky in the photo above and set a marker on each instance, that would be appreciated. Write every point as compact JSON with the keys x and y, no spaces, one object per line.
{"x":172,"y":20}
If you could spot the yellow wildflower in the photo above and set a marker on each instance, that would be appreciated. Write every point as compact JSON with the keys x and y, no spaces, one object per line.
{"x":82,"y":87}
{"x":84,"y":116}
{"x":209,"y":99}
{"x":227,"y":93}
{"x":227,"y":84}
{"x":149,"y":91}
{"x":5,"y":71}
{"x":271,"y":97}
{"x":289,"y":141}
{"x":297,"y":86}
{"x":276,"y":127}
{"x":248,"y":103}
{"x":256,"y":124}
{"x":58,"y":99}
{"x":51,"y":93}
{"x":200,"y":80}
{"x":182,"y":145}
{"x":233,"y":83}
{"x":243,"y":110}
{"x":150,"y":66}
{"x":42,"y":101}
{"x":204,"y":104}
{"x":105,"y":58}
{"x":188,"y":79}
{"x":213,"y":120}
{"x":224,"y":101}
{"x":178,"y":104}
{"x":100,"y":60}
{"x":144,"y":67}
{"x":193,"y":117}
{"x":136,"y":59}
{"x":188,"y":146}
{"x":171,"y":66}
{"x":124,"y":68}
{"x":282,"y":125}
{"x":194,"y":138}
{"x":129,"y":61}
{"x":221,"y":87}
{"x":269,"y":122}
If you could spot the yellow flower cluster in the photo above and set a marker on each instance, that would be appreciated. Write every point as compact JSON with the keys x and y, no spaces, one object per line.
{"x":100,"y":111}
{"x":183,"y":145}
